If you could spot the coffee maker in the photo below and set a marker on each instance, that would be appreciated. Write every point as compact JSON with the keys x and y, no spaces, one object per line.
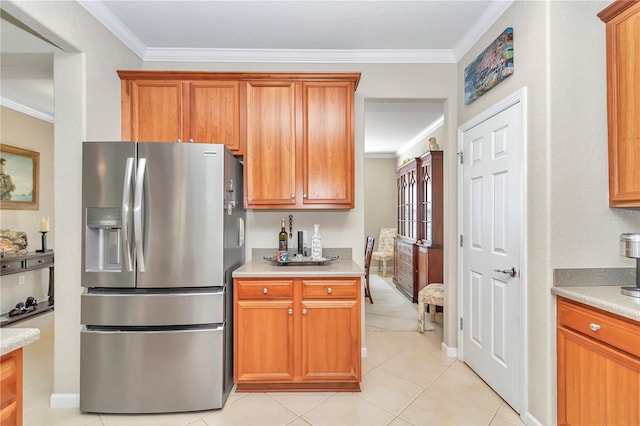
{"x":630,"y":247}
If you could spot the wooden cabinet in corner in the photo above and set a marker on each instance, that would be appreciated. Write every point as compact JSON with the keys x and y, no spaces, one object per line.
{"x":622,"y":20}
{"x":162,"y":106}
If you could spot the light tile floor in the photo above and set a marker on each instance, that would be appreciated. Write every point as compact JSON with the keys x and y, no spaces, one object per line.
{"x":406,"y":381}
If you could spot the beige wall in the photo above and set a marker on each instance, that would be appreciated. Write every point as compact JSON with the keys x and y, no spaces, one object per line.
{"x":87,"y":106}
{"x":559,"y":56}
{"x":379,"y":196}
{"x":23,"y":131}
{"x":90,"y":110}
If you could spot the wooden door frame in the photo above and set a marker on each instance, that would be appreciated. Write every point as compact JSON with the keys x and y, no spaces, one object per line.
{"x":519,"y":96}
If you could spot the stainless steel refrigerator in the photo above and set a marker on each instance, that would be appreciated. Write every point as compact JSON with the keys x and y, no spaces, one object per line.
{"x":162,"y":232}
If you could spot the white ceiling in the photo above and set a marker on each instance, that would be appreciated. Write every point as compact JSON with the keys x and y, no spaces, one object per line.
{"x":331,"y":31}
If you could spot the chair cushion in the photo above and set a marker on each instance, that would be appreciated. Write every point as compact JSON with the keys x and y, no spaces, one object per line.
{"x":382,"y":255}
{"x":432,"y":294}
{"x":385,"y":242}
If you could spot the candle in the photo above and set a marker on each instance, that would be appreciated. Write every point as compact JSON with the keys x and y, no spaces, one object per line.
{"x":44,"y":224}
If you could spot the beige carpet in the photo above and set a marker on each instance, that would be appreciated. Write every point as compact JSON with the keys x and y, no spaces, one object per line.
{"x":390,"y":310}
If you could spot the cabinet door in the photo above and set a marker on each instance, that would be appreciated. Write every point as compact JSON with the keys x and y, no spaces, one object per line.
{"x":152,"y":110}
{"x":213,"y":113}
{"x":328,"y":144}
{"x":11,"y":388}
{"x":623,"y":107}
{"x":270,"y":161}
{"x":263,"y":341}
{"x":597,"y":384}
{"x":331,"y":340}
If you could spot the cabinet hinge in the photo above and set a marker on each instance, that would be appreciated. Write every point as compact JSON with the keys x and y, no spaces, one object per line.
{"x":461,"y":155}
{"x":461,"y":241}
{"x":461,"y":324}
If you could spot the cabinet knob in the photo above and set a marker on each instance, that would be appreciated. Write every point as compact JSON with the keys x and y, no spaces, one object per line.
{"x":329,"y":290}
{"x":594,"y":327}
{"x":293,"y":196}
{"x":290,"y":311}
{"x":265,"y":291}
{"x":304,"y":312}
{"x":190,"y":140}
{"x":304,"y":195}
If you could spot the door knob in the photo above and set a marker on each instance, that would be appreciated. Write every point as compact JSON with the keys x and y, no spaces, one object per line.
{"x":511,"y":272}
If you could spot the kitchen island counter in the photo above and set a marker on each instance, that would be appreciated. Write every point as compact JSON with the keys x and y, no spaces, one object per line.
{"x":260,"y":268}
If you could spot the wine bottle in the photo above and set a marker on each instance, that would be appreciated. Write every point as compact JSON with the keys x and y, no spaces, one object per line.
{"x":283,"y":238}
{"x":316,"y":243}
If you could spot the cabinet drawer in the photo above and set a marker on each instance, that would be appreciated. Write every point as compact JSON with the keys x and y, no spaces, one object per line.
{"x":405,"y":257}
{"x":11,"y":266}
{"x":326,"y":289}
{"x":262,"y":289}
{"x":405,"y":268}
{"x":616,"y":331}
{"x":406,"y":281}
{"x":38,"y":261}
{"x":405,"y":248}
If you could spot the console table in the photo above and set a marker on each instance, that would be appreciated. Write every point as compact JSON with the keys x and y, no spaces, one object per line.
{"x":17,"y":264}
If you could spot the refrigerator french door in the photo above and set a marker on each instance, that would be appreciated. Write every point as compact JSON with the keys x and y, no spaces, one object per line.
{"x":163,"y":231}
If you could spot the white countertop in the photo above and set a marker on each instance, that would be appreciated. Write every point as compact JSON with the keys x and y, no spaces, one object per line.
{"x":605,"y":297}
{"x":15,"y":338}
{"x":263,"y":268}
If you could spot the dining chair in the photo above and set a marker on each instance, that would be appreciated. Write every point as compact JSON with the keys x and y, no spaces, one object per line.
{"x":367,"y":264}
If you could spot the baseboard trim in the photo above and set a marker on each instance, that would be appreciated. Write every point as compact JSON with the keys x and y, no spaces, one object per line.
{"x":448,"y":351}
{"x":64,"y":400}
{"x":530,"y":420}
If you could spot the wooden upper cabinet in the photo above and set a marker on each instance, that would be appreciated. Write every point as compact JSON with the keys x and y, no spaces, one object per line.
{"x":622,"y":20}
{"x":152,"y":110}
{"x":328,"y":144}
{"x":295,"y":130}
{"x":300,"y":143}
{"x":212,"y":113}
{"x":270,"y":163}
{"x":163,"y":107}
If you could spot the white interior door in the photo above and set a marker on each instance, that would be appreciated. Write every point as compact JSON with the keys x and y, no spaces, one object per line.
{"x":492,"y":235}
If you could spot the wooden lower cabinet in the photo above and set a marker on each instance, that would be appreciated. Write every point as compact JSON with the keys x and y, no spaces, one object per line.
{"x":301,"y":334}
{"x":11,"y":388}
{"x":598,"y":357}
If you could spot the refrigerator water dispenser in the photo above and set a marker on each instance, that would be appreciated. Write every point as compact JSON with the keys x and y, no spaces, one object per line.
{"x":103,"y":245}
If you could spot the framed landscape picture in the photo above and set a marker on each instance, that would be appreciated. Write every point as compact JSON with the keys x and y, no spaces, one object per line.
{"x":19,"y":176}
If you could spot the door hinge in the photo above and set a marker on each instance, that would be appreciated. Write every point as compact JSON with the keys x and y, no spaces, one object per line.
{"x":461,"y":155}
{"x":461,"y":241}
{"x":461,"y":324}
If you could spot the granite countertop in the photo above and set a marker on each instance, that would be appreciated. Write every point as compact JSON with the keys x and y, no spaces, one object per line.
{"x":599,"y":288}
{"x":264,"y":268}
{"x":15,"y":338}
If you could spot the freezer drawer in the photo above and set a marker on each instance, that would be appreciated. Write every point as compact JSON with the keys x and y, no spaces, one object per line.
{"x":147,"y":308}
{"x":152,"y":371}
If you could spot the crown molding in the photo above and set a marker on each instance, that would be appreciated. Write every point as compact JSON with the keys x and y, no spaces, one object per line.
{"x":111,"y":22}
{"x":26,"y":110}
{"x":480,"y":27}
{"x":300,"y":55}
{"x":379,"y":155}
{"x":421,"y":136}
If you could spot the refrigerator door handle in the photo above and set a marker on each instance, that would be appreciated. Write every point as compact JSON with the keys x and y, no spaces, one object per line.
{"x":137,"y":213}
{"x":126,"y":206}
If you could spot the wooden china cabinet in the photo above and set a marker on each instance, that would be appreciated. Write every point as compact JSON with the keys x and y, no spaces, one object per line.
{"x":418,"y":246}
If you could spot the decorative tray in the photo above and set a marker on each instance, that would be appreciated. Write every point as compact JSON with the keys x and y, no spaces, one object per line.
{"x":301,"y":261}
